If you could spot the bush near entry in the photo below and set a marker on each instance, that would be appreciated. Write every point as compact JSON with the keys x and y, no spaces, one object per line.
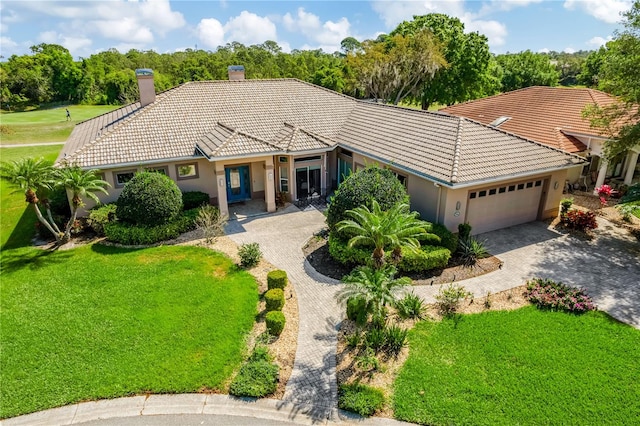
{"x":149,"y":199}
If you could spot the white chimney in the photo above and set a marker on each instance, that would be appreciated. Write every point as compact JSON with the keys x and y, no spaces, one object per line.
{"x":236,"y":72}
{"x":145,"y":84}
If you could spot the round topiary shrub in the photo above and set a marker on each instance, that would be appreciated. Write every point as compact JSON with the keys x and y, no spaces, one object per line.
{"x":274,"y":299}
{"x":360,"y":188}
{"x":149,"y":199}
{"x":276,"y":279}
{"x":275,"y":321}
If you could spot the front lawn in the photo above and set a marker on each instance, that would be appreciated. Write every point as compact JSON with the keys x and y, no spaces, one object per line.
{"x":104,"y":322}
{"x":521,"y":367}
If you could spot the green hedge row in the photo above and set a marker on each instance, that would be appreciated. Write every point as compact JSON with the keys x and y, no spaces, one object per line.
{"x":124,"y":233}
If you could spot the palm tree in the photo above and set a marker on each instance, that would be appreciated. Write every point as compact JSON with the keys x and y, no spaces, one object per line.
{"x":397,"y":227}
{"x":376,"y":286}
{"x":31,"y":175}
{"x":79,"y":184}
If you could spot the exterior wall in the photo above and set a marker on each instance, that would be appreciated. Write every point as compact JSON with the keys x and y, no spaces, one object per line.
{"x":424,"y":197}
{"x":332,"y":170}
{"x":257,"y":180}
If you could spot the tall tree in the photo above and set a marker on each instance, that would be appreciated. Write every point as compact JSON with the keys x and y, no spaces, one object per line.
{"x":527,"y":69}
{"x":620,"y":74}
{"x":589,"y":74}
{"x":467,"y":56}
{"x":394,"y":67}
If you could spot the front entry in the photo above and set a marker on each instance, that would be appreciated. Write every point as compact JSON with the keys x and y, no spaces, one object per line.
{"x":308,"y":181}
{"x":238,"y":183}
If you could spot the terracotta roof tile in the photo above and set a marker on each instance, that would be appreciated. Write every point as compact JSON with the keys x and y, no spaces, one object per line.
{"x":539,"y":113}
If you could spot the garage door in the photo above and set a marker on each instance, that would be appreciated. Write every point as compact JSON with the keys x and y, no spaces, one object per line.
{"x":498,"y":207}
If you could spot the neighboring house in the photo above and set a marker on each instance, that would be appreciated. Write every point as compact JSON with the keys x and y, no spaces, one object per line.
{"x":251,"y":139}
{"x":553,"y":116}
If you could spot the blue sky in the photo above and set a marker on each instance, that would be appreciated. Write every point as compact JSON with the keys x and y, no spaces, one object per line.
{"x":86,"y":27}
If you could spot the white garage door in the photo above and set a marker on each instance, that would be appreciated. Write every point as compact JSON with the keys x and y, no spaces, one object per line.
{"x":498,"y":207}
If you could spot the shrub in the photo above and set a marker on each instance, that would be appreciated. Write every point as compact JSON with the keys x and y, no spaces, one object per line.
{"x":579,"y":220}
{"x":360,"y":187}
{"x":470,"y":250}
{"x":276,"y":279}
{"x":360,"y":399}
{"x":274,"y":299}
{"x":100,"y":215}
{"x":632,"y":194}
{"x":357,"y":310}
{"x":626,"y":210}
{"x":354,"y":339}
{"x":565,"y":205}
{"x":464,"y":231}
{"x":428,"y":257}
{"x":410,"y":306}
{"x":149,"y":199}
{"x":447,"y":238}
{"x":449,"y":297}
{"x":257,"y":378}
{"x":395,"y":338}
{"x":275,"y":321}
{"x":211,"y":222}
{"x":367,"y":360}
{"x":58,"y":201}
{"x":340,"y":251}
{"x":127,"y":234}
{"x":375,"y":338}
{"x":548,"y":294}
{"x":194,"y":199}
{"x":250,"y":255}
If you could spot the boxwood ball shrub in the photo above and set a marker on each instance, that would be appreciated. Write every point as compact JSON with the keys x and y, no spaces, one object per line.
{"x":360,"y":188}
{"x":274,"y":299}
{"x":149,"y":199}
{"x":276,"y":279}
{"x":275,"y":321}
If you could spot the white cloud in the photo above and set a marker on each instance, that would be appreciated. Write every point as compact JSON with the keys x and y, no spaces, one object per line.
{"x":127,"y":30}
{"x":495,"y":31}
{"x":603,"y":10}
{"x":326,"y":36}
{"x":394,"y":12}
{"x":249,"y":28}
{"x":505,"y":5}
{"x":159,"y":15}
{"x":7,"y":43}
{"x":596,"y":42}
{"x":210,"y":33}
{"x":569,"y":50}
{"x":544,"y":50}
{"x":77,"y":46}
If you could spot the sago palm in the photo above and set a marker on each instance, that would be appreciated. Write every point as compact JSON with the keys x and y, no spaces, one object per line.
{"x":397,"y":227}
{"x":79,"y":184}
{"x":376,"y":286}
{"x":31,"y":175}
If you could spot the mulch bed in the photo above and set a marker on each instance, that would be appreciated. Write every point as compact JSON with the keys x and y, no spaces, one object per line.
{"x":317,"y":253}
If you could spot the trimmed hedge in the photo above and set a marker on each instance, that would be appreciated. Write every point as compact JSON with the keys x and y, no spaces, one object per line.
{"x":194,"y":199}
{"x":447,"y":238}
{"x":274,"y":299}
{"x":340,"y":251}
{"x":362,"y":399}
{"x":100,"y":215}
{"x":127,"y":234}
{"x":276,"y":279}
{"x":428,"y":257}
{"x":275,"y":321}
{"x":149,"y":199}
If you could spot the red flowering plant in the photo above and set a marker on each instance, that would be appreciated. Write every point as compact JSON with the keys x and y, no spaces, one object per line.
{"x":604,"y":192}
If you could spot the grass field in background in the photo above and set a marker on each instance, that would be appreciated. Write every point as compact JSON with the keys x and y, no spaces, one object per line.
{"x":17,"y":218}
{"x":523,"y":367}
{"x":104,"y":322}
{"x":46,"y":125}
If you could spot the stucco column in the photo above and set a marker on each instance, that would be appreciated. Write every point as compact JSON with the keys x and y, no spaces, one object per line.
{"x":633,"y":161}
{"x":269,"y":186}
{"x":221,"y":185}
{"x":601,"y":174}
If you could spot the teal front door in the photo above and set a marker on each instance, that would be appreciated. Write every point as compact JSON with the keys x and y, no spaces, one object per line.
{"x":238,"y":183}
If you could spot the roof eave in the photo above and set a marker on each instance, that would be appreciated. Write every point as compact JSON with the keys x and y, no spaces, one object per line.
{"x":139,"y":163}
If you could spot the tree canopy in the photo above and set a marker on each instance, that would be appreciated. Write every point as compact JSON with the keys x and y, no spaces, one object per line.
{"x":527,"y":69}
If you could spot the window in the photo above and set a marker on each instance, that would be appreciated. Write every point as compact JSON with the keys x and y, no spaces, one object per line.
{"x":347,"y":153}
{"x":512,"y":188}
{"x":316,"y":158}
{"x":120,"y":178}
{"x":187,"y":171}
{"x":159,"y":169}
{"x":284,"y":179}
{"x":502,"y":190}
{"x":520,"y":186}
{"x":538,"y":182}
{"x":492,"y":191}
{"x":283,"y":159}
{"x":529,"y":184}
{"x":482,"y":194}
{"x":401,"y":178}
{"x":472,"y":195}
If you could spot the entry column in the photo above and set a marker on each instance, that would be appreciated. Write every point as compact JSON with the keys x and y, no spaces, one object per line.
{"x":269,"y":186}
{"x":221,"y":183}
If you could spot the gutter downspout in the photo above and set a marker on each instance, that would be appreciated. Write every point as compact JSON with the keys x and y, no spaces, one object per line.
{"x":438,"y":203}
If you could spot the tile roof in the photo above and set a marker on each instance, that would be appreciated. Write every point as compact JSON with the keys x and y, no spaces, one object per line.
{"x":539,"y":113}
{"x":224,"y":119}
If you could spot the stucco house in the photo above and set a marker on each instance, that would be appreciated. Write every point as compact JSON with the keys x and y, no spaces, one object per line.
{"x":553,"y":116}
{"x":251,"y":139}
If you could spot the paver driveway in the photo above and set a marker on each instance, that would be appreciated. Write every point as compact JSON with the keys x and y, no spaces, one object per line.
{"x":608,"y":267}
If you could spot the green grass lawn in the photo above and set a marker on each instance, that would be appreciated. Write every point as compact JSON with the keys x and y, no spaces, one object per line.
{"x":103,"y":322}
{"x":13,"y":209}
{"x":46,"y":125}
{"x":524,"y":367}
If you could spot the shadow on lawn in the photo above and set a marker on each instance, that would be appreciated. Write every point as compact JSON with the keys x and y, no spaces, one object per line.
{"x":15,"y":260}
{"x":22,"y":233}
